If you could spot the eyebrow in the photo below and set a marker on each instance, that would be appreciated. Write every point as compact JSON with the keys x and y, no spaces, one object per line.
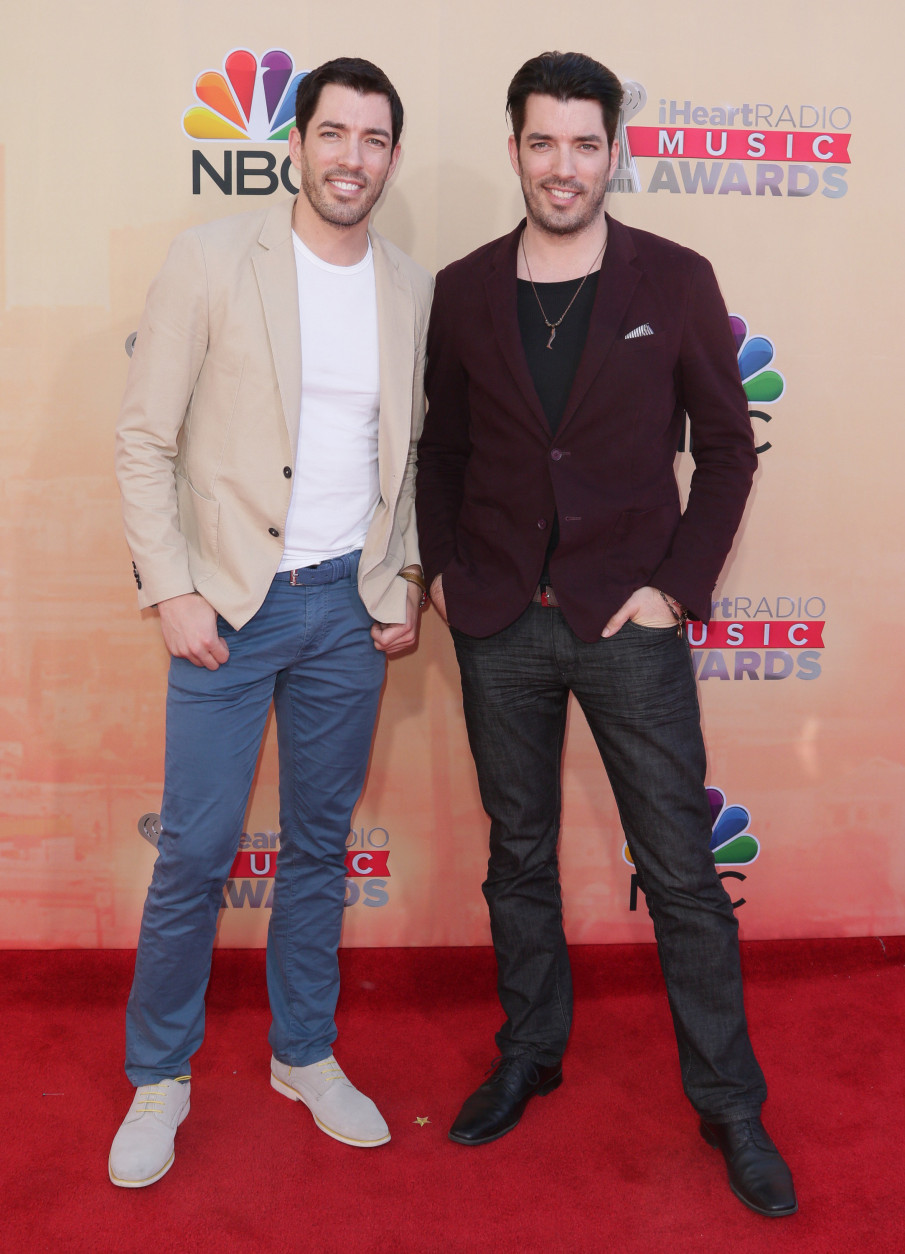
{"x":576,"y":139}
{"x":341,"y":126}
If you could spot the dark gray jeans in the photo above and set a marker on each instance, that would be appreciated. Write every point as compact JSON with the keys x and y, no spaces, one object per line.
{"x":638,"y":694}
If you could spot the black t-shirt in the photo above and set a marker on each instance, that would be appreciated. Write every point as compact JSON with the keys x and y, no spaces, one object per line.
{"x":553,"y":370}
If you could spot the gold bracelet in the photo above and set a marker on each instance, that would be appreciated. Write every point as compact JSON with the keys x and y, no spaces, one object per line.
{"x":415,"y":577}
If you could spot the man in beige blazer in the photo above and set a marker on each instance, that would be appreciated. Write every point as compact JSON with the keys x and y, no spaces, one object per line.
{"x":265,"y":452}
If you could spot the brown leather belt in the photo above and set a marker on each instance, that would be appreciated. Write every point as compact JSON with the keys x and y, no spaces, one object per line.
{"x":545,"y":596}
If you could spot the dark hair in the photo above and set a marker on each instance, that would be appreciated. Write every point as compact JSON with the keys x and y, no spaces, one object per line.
{"x":565,"y":76}
{"x":361,"y":76}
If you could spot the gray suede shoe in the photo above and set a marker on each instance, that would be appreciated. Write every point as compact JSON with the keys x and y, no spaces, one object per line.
{"x":142,"y":1149}
{"x":337,"y":1106}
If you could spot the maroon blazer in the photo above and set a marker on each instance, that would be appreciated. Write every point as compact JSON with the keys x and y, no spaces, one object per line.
{"x":491,"y":475}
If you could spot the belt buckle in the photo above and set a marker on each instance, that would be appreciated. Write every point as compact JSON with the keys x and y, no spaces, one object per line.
{"x":293,"y":579}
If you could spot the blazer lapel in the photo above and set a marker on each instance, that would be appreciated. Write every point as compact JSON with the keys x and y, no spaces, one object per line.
{"x":396,"y":339}
{"x":500,"y":286}
{"x":274,"y":265}
{"x":617,"y":282}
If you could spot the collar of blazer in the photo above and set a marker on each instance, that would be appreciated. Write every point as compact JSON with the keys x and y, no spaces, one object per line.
{"x":274,"y":264}
{"x":619,"y":276}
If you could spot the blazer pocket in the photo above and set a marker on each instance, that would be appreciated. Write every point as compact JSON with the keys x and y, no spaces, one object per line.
{"x":642,"y":343}
{"x":639,"y":542}
{"x":199,"y":522}
{"x":478,"y":517}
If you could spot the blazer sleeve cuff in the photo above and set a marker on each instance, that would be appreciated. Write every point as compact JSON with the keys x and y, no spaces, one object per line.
{"x":693,"y":593}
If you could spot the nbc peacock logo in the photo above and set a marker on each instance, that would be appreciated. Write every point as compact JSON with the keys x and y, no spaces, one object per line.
{"x":731,"y":843}
{"x":251,"y":100}
{"x":763,"y":385}
{"x":755,"y":354}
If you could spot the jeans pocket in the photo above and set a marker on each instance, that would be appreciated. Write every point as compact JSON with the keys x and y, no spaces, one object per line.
{"x":668,"y":629}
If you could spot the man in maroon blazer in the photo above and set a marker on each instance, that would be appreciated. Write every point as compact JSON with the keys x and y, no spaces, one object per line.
{"x":562,"y":360}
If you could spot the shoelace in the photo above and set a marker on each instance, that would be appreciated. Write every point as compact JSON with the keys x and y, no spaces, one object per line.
{"x":151,"y":1098}
{"x":750,"y":1132}
{"x":757,"y":1135}
{"x":499,"y":1067}
{"x":331,"y":1070}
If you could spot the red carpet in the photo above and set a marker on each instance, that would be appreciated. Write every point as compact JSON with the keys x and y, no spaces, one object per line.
{"x":612,"y":1161}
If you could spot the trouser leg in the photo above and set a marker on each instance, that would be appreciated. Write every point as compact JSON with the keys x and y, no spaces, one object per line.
{"x":515,"y":711}
{"x":326,"y":704}
{"x":215,"y":720}
{"x":638,"y":693}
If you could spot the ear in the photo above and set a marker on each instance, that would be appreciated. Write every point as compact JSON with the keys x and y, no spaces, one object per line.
{"x":513,"y":154}
{"x":614,"y":158}
{"x":295,"y":147}
{"x":394,"y":160}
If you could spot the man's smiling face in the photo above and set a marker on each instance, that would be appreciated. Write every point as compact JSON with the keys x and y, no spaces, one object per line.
{"x":563,"y":163}
{"x":346,"y":155}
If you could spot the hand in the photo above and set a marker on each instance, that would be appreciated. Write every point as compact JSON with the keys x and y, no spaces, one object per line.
{"x":189,"y":626}
{"x":646,"y":608}
{"x":394,"y":638}
{"x":438,"y":600}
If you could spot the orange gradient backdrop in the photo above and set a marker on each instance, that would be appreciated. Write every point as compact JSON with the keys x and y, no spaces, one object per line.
{"x":96,"y":176}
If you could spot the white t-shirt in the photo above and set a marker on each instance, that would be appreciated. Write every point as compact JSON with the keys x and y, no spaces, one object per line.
{"x":335,"y":486}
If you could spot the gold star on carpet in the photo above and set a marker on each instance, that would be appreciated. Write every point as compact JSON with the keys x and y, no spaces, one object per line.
{"x":421,"y":1121}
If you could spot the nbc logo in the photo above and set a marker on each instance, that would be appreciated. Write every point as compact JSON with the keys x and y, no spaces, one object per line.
{"x":755,"y":354}
{"x":731,"y":844}
{"x":250,"y":100}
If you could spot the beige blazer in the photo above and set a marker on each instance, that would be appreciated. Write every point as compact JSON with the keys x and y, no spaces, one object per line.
{"x":207,"y":435}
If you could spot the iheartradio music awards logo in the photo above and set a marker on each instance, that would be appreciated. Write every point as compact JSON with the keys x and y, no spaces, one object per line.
{"x":731,"y":844}
{"x":755,"y":148}
{"x":251,"y":876}
{"x":251,"y":100}
{"x":765,"y":638}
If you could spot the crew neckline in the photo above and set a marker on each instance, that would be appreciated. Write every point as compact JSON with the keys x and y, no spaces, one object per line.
{"x":302,"y":248}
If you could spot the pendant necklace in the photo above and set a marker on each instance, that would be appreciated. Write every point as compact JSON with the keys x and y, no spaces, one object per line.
{"x":553,"y":325}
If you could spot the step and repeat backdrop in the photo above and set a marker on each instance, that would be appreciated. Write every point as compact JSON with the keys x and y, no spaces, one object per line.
{"x":767,"y":139}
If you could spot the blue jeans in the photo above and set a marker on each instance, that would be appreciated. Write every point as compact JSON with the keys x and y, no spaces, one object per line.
{"x":638,"y":694}
{"x":309,"y":650}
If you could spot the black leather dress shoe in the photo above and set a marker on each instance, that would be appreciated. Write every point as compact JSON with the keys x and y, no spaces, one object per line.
{"x":496,"y":1107}
{"x":758,"y":1176}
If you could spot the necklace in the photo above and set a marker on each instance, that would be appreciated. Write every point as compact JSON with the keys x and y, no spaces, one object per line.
{"x":553,"y":325}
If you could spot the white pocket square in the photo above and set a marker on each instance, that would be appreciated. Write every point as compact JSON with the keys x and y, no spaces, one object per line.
{"x":644,"y":329}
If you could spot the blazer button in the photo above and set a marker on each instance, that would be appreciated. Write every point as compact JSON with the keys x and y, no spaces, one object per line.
{"x":542,"y":523}
{"x":556,"y":454}
{"x":287,"y":471}
{"x":273,"y":531}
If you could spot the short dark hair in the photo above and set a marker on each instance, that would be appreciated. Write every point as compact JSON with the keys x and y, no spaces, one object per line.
{"x":565,"y":76}
{"x":362,"y":76}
